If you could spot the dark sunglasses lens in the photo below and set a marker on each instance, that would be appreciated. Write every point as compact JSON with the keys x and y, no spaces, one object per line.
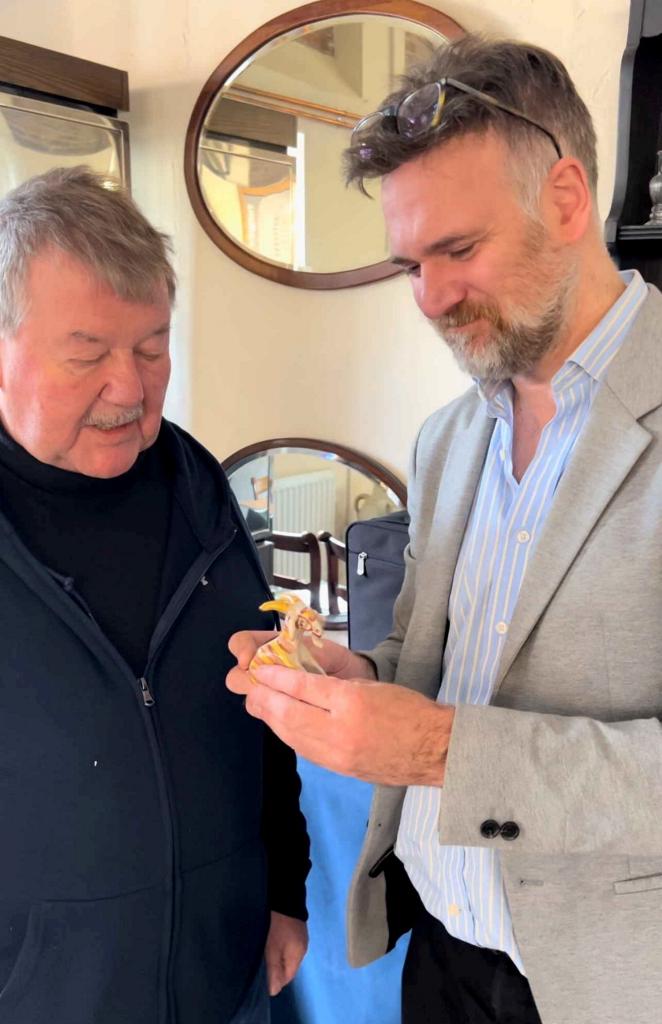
{"x":417,"y":112}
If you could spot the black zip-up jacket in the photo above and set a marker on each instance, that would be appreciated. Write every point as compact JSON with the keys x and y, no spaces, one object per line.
{"x":134,"y":885}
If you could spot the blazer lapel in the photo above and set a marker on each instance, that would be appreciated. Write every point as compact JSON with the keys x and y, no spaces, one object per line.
{"x":420,"y":660}
{"x":611,"y":443}
{"x":454,"y":499}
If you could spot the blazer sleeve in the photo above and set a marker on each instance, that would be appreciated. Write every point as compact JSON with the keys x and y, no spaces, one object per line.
{"x":572,"y":785}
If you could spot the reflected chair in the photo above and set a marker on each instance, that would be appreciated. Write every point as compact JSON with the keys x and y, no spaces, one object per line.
{"x":260,"y":485}
{"x":305,"y":544}
{"x":336,"y":552}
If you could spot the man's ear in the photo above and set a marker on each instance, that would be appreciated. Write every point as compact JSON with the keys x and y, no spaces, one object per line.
{"x":568,"y":200}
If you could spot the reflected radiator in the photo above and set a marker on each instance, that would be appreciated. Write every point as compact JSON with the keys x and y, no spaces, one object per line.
{"x":306,"y":501}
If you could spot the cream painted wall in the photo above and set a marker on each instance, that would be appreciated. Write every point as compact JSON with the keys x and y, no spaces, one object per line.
{"x":254,"y":359}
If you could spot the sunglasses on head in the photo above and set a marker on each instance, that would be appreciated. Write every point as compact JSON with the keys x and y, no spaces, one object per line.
{"x":421,"y":111}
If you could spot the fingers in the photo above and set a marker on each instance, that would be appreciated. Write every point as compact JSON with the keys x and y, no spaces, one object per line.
{"x":276,"y":976}
{"x":285,"y":714}
{"x":338,"y":661}
{"x":244,"y":644}
{"x":318,"y":691}
{"x":335,"y":660}
{"x":238,"y":681}
{"x":289,"y":969}
{"x":285,"y":948}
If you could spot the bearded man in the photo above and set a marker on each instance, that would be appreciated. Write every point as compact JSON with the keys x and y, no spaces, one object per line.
{"x":515,"y":725}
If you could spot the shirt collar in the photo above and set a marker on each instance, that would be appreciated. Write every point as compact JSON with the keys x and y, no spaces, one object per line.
{"x":596,"y":351}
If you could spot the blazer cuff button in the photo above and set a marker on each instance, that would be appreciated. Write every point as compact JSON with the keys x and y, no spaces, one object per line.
{"x":490,"y":828}
{"x":509,"y":830}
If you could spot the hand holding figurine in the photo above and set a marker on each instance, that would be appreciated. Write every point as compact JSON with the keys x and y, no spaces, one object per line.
{"x":344,"y":721}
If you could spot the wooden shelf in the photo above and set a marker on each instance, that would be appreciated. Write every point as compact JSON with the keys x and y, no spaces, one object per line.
{"x":632,"y":242}
{"x":640,"y":233}
{"x":25,"y":66}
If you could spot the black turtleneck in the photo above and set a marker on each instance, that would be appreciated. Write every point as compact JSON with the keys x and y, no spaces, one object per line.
{"x":109,"y":536}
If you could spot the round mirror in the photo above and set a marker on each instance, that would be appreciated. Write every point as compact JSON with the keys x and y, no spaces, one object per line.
{"x":265,"y":141}
{"x":298,"y":497}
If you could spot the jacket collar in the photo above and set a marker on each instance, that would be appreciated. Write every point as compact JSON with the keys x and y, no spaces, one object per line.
{"x":201,"y":488}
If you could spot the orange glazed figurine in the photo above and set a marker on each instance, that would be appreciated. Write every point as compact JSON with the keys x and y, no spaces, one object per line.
{"x":290,"y":647}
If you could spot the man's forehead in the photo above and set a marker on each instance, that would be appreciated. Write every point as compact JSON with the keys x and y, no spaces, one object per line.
{"x":458,"y":161}
{"x":55,"y":270}
{"x":101,"y":337}
{"x":448,"y":193}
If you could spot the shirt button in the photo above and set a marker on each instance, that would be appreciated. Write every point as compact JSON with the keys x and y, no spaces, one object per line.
{"x":523,"y":536}
{"x":454,"y":910}
{"x":502,"y":454}
{"x":502,"y":627}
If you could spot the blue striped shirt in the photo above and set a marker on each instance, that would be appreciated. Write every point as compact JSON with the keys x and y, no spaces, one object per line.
{"x":462,"y":886}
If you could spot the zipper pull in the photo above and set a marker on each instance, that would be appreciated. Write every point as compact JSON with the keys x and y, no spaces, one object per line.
{"x":148,"y":700}
{"x":360,"y":565}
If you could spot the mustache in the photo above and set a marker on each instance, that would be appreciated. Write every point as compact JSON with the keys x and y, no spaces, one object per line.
{"x":108,"y":421}
{"x":465,"y":313}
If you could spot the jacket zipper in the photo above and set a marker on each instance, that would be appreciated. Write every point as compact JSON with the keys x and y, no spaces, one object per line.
{"x":184,"y":592}
{"x":195,"y":575}
{"x":148,"y":700}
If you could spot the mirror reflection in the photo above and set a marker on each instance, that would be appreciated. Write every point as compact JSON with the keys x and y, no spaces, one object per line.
{"x":35,"y":136}
{"x":298,"y":502}
{"x":269,"y":155}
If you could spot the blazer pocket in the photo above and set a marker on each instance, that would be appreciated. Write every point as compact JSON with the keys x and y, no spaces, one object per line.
{"x":644,"y":884}
{"x":402,"y":900}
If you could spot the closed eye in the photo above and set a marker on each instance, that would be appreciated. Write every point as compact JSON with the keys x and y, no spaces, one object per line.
{"x":88,"y":362}
{"x":465,"y":253}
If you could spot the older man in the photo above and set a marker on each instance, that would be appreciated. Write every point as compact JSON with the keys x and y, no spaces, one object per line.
{"x":153,"y":855}
{"x":529,"y":621}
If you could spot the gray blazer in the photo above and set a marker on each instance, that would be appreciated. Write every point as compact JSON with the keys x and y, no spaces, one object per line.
{"x":571,"y":746}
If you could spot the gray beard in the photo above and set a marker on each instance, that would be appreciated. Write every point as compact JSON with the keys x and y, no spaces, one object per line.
{"x":512,"y":349}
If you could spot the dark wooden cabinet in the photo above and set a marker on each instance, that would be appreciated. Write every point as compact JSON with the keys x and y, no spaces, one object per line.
{"x":631,"y":242}
{"x":47,"y":74}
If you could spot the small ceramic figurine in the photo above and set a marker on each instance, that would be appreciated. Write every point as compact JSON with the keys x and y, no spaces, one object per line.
{"x":290,"y":647}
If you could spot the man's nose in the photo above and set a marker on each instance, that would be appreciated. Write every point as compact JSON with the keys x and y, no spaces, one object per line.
{"x":124,"y":384}
{"x":437,"y":291}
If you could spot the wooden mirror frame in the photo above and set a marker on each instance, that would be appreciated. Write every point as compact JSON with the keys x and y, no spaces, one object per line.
{"x":353,"y":459}
{"x":320,"y":10}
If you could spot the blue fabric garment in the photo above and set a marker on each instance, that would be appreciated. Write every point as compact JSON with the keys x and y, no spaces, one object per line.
{"x":327,"y":990}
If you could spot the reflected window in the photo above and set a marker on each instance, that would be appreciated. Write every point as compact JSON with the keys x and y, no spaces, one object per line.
{"x":36,"y":136}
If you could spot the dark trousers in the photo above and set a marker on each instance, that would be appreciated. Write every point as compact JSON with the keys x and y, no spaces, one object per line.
{"x":447,"y":981}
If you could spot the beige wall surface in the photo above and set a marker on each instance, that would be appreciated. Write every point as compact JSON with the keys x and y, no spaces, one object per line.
{"x":254,"y":359}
